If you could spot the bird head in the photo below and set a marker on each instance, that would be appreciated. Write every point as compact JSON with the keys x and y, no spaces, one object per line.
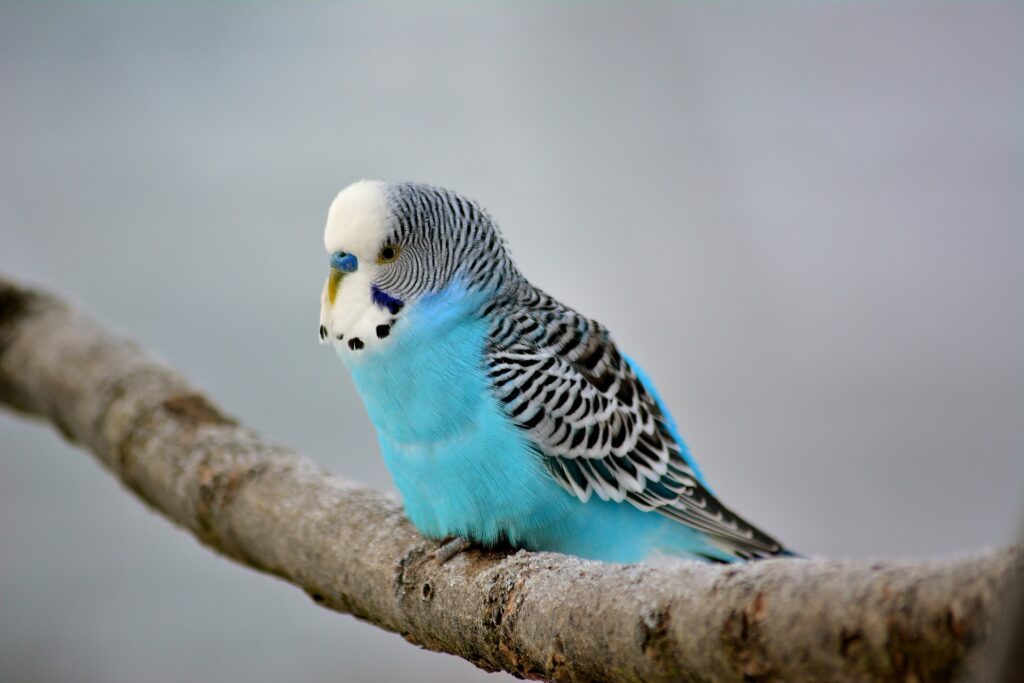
{"x":391,"y":244}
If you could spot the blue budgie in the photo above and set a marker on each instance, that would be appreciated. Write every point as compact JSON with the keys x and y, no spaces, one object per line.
{"x":503,"y":415}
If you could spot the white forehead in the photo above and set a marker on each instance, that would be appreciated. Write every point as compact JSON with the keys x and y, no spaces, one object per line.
{"x":357,"y":219}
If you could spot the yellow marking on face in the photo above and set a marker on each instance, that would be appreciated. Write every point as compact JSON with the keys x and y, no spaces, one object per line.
{"x":333,"y":284}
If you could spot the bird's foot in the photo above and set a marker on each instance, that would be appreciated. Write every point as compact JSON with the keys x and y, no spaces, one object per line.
{"x":451,"y":547}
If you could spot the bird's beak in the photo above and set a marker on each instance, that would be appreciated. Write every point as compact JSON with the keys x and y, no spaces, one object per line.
{"x":341,"y":263}
{"x":333,"y":284}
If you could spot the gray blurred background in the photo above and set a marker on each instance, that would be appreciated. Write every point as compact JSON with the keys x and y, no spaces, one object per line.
{"x":805,"y":221}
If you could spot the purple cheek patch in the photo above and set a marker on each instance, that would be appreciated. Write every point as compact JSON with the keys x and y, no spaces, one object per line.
{"x":385,"y":300}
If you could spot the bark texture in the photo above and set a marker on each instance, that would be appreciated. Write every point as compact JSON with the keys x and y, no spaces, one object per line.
{"x":536,"y":615}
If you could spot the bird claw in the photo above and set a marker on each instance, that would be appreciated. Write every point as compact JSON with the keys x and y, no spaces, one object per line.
{"x":450,"y":548}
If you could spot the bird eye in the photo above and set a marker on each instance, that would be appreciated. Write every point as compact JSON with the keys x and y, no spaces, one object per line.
{"x":388,"y":254}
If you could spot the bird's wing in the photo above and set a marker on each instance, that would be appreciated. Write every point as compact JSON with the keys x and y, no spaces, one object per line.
{"x":560,"y":378}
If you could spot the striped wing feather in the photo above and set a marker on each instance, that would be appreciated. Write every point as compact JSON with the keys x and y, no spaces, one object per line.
{"x":560,"y":378}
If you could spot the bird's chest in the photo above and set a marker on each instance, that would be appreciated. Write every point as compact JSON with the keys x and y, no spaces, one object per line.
{"x":426,"y":385}
{"x":461,"y":466}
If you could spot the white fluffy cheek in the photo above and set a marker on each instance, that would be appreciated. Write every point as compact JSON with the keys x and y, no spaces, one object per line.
{"x":352,"y":323}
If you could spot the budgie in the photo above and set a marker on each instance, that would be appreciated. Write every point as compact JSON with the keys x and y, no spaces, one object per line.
{"x":503,"y":415}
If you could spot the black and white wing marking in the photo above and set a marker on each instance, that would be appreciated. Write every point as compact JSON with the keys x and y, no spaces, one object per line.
{"x":560,"y":378}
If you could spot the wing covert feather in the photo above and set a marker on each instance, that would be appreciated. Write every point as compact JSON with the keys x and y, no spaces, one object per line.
{"x":561,"y":379}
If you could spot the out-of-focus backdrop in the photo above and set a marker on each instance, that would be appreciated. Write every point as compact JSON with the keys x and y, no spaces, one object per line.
{"x":804,"y":220}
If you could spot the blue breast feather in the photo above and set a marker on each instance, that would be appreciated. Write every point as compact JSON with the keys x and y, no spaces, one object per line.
{"x":462,"y":467}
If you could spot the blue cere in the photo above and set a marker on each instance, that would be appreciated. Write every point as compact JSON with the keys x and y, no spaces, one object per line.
{"x":346,"y":263}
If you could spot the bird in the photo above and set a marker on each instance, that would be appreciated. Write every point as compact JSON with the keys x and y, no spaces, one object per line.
{"x":505,"y":417}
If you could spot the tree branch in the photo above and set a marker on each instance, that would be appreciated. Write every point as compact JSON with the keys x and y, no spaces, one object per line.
{"x":537,"y":615}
